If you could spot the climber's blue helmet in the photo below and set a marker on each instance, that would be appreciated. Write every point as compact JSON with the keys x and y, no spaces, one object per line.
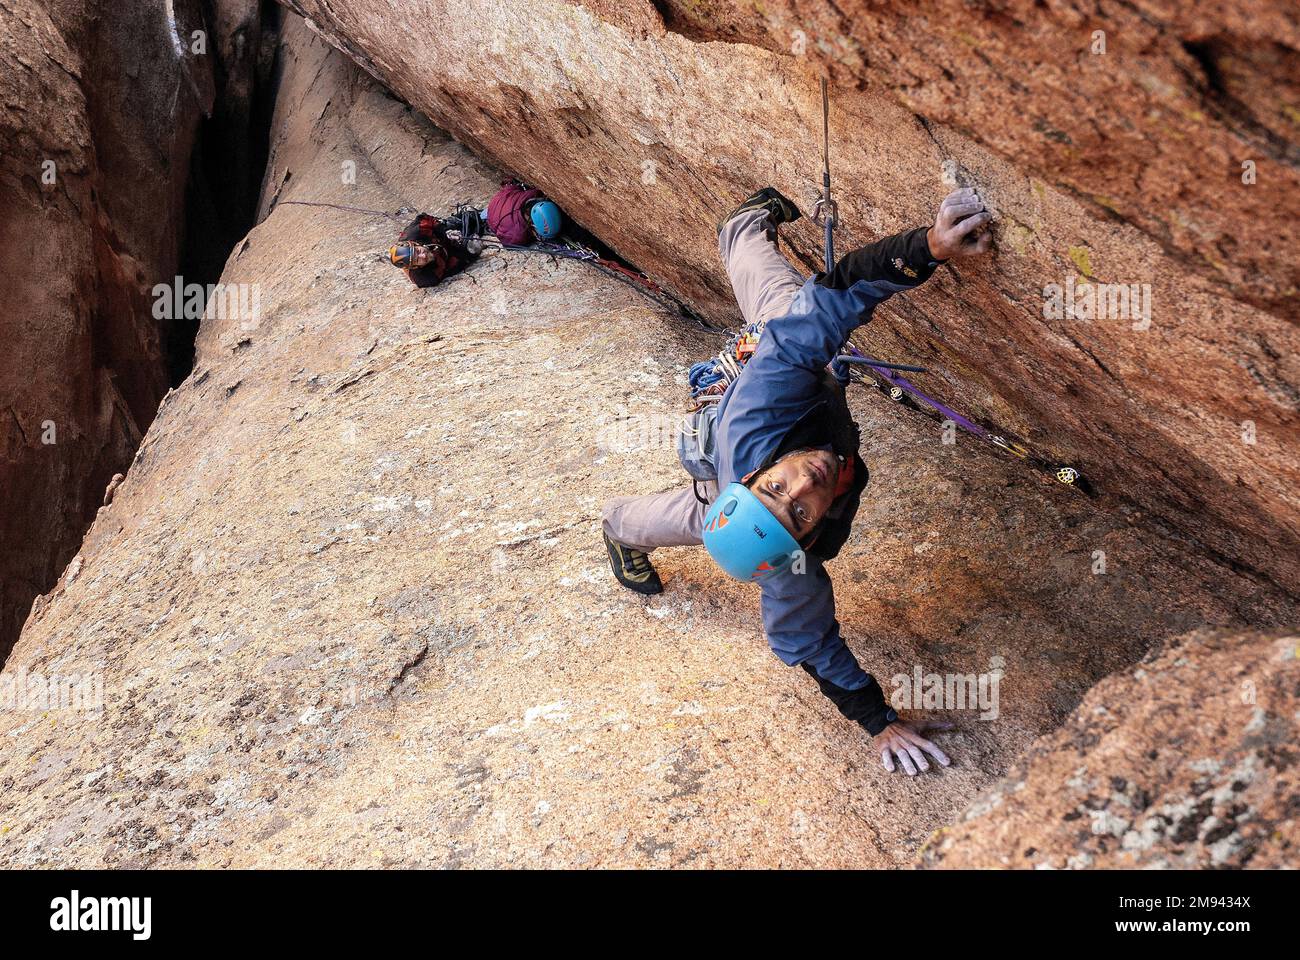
{"x":545,"y":216}
{"x":745,"y":538}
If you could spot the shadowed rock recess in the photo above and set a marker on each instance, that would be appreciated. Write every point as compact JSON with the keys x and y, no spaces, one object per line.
{"x":350,"y":606}
{"x":101,"y":104}
{"x":96,"y":127}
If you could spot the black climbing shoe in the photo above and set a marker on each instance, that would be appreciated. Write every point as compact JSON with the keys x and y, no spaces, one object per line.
{"x":632,"y":567}
{"x":780,"y":208}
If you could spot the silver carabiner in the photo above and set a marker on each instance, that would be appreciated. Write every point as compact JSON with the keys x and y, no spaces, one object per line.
{"x":818,"y":212}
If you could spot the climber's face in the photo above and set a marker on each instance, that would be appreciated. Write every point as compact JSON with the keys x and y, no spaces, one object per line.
{"x":421,"y":257}
{"x":799,"y":489}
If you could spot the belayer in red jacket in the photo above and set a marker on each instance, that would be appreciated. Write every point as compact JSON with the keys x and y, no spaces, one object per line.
{"x":427,"y":253}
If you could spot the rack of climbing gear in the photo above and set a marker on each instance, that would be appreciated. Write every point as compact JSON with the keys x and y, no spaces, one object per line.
{"x":710,"y":378}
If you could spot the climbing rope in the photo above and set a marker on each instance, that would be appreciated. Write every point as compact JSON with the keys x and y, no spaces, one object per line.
{"x":573,"y":250}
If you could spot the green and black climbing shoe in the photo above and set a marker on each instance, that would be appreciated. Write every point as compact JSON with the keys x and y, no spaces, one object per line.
{"x":780,"y":208}
{"x":632,"y":567}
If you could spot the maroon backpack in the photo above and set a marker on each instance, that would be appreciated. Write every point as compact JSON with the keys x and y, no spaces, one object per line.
{"x":505,"y":213}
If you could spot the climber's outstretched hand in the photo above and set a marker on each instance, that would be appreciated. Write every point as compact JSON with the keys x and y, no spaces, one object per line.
{"x":904,"y":741}
{"x":960,"y":228}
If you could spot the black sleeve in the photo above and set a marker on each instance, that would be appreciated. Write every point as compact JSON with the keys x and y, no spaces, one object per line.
{"x":903,"y":258}
{"x":866,"y":705}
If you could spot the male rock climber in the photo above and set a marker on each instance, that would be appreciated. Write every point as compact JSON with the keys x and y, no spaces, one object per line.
{"x":520,"y":215}
{"x":427,"y":253}
{"x":789,"y":477}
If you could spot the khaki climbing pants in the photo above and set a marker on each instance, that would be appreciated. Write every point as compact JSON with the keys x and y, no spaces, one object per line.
{"x":764,"y":282}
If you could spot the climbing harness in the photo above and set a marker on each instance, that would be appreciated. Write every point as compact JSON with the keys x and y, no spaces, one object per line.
{"x":467,"y":221}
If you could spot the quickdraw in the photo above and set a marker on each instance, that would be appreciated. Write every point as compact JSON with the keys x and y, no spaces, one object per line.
{"x":901,"y":390}
{"x":826,"y":213}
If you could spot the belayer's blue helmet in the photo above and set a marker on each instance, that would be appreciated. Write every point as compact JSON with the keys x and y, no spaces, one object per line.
{"x":546,"y":219}
{"x":745,"y":538}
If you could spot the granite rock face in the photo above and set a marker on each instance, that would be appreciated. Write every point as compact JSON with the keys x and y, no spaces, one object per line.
{"x":1185,"y":761}
{"x":349,"y":604}
{"x":1148,"y":148}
